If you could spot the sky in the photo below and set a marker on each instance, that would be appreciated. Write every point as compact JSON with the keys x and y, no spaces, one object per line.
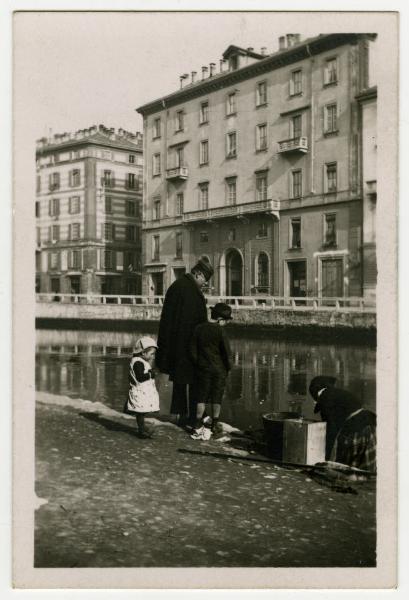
{"x":80,"y":69}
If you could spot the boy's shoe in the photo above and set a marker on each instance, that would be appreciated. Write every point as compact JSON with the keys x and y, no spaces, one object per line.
{"x":207,"y":421}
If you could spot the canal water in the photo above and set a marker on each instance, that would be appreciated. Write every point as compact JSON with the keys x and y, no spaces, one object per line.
{"x":268,"y":374}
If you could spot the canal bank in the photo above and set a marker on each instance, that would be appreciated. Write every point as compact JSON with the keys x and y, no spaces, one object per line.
{"x":113,"y":500}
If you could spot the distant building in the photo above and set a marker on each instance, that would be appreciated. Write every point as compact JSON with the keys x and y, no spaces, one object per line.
{"x":89,"y":212}
{"x":368,"y":103}
{"x":257,"y":167}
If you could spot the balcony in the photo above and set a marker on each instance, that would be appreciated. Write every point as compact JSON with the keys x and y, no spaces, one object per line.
{"x":177,"y":173}
{"x":236,"y":210}
{"x":297,"y":144}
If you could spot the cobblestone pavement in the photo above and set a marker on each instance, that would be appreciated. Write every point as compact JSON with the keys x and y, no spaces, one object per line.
{"x":114,"y":500}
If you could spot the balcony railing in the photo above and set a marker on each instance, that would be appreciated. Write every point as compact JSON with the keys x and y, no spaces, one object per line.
{"x":235,"y":210}
{"x":296,"y":144}
{"x":177,"y":173}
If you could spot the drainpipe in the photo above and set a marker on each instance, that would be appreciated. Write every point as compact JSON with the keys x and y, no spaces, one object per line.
{"x":312,"y":141}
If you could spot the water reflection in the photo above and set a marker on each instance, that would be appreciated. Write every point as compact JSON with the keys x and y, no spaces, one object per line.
{"x":267,"y":375}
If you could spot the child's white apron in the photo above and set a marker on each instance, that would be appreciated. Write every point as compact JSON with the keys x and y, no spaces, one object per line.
{"x":143,"y":396}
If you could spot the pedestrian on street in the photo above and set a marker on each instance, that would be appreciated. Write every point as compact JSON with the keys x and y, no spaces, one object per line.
{"x":351,"y":429}
{"x":211,"y":355}
{"x":143,"y":396}
{"x":183,"y":309}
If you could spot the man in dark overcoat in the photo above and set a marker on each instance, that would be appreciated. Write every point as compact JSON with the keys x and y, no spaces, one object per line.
{"x":183,"y":309}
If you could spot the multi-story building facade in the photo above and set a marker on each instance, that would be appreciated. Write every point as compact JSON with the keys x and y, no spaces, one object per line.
{"x":258,"y":169}
{"x":89,"y":212}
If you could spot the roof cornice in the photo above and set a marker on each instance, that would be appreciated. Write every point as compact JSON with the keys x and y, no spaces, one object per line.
{"x":306,"y":49}
{"x":87,"y":142}
{"x":368,"y":94}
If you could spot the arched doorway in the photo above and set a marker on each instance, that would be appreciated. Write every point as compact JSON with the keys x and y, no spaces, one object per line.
{"x":234,"y":273}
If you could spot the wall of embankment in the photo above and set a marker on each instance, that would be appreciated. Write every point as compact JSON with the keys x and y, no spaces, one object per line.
{"x":357,"y":325}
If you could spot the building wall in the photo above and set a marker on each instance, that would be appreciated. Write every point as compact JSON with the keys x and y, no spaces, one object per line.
{"x":339,"y":146}
{"x":89,"y":273}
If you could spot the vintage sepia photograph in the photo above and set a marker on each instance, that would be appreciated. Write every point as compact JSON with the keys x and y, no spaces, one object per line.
{"x":209,"y":299}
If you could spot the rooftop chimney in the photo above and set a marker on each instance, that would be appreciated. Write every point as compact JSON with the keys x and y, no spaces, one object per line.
{"x":182,"y":78}
{"x":263,"y":51}
{"x":193,"y":74}
{"x":281,"y":42}
{"x":292,"y":39}
{"x":222,"y":62}
{"x":250,"y":49}
{"x":212,"y":68}
{"x":204,"y":71}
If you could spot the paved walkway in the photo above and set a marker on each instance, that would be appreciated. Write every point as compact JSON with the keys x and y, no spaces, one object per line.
{"x":114,"y":500}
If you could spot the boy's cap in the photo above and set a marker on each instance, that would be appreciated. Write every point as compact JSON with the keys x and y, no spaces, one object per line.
{"x":221,"y":311}
{"x":143,"y":344}
{"x":204,"y":267}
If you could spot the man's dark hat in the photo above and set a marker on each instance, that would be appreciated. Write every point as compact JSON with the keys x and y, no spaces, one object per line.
{"x":221,"y":311}
{"x":204,"y":267}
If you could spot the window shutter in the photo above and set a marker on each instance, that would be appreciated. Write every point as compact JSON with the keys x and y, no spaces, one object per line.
{"x":50,"y":234}
{"x":120,"y":261}
{"x":50,"y":182}
{"x":64,"y":260}
{"x":113,"y":254}
{"x":70,"y":178}
{"x":49,"y":207}
{"x":69,"y":233}
{"x":99,"y":259}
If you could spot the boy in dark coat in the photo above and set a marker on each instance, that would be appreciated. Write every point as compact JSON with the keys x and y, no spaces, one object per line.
{"x":351,"y":429}
{"x":210,"y":351}
{"x":183,"y":309}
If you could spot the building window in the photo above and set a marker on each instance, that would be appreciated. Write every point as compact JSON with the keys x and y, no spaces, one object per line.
{"x":156,"y":164}
{"x":108,"y":204}
{"x":74,"y":205}
{"x":130,"y":182}
{"x":38,"y":231}
{"x":155,"y":248}
{"x":261,"y":187}
{"x":204,"y":152}
{"x":180,"y":117}
{"x":231,"y":104}
{"x":331,"y":177}
{"x":55,"y":233}
{"x":108,"y":231}
{"x":295,"y":232}
{"x":37,"y":209}
{"x":231,"y":148}
{"x":231,"y":188}
{"x":74,"y":231}
{"x":38,"y":185}
{"x":156,"y":128}
{"x":330,"y":229}
{"x":54,"y":181}
{"x":204,"y":196}
{"x":262,"y":272}
{"x":130,"y":233}
{"x":54,"y":260}
{"x":107,"y":261}
{"x":75,"y":262}
{"x":130,"y":208}
{"x":330,"y":71}
{"x":179,"y":244}
{"x":296,"y":82}
{"x":131,"y":159}
{"x":180,"y":157}
{"x":130,"y":262}
{"x":108,"y":179}
{"x":156,"y":210}
{"x":204,"y":113}
{"x":296,"y":126}
{"x":231,"y":236}
{"x":261,"y":93}
{"x":296,"y":184}
{"x":75,"y":178}
{"x":261,"y":137}
{"x":179,"y":204}
{"x":54,"y":207}
{"x":204,"y":237}
{"x":330,"y":121}
{"x":262,"y":231}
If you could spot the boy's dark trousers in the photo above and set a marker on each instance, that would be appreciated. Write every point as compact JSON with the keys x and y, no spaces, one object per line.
{"x":210,"y":386}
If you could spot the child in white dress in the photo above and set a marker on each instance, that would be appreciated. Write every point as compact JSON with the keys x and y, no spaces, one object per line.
{"x":143,"y":396}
